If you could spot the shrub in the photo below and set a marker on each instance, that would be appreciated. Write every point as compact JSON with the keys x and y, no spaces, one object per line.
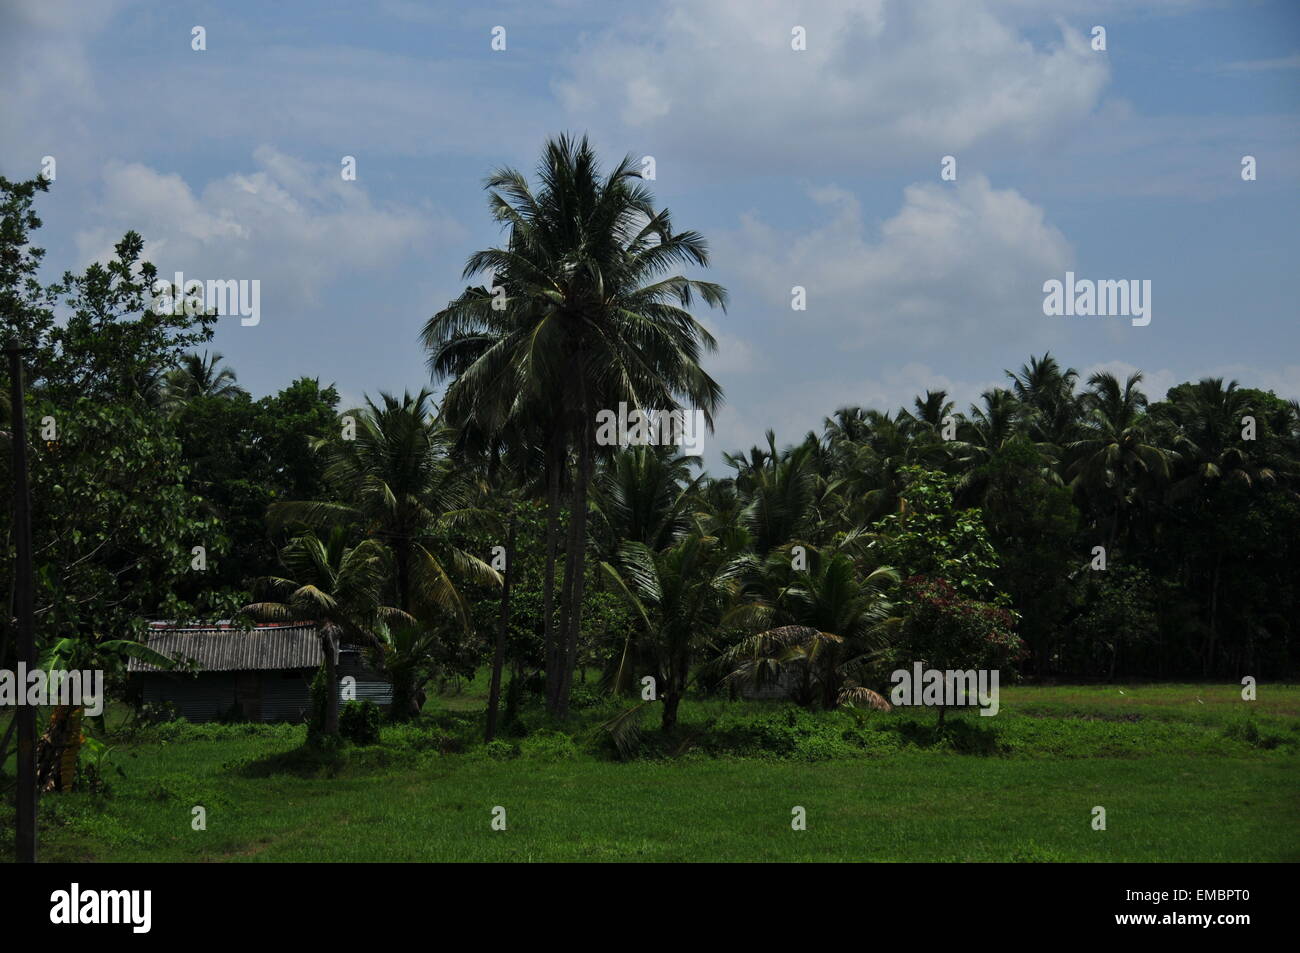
{"x":548,"y":746}
{"x":359,"y":722}
{"x":499,"y":750}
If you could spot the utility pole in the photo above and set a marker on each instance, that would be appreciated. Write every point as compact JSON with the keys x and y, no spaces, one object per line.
{"x":25,"y":838}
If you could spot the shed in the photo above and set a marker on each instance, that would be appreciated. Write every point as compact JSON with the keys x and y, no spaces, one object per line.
{"x":262,"y":673}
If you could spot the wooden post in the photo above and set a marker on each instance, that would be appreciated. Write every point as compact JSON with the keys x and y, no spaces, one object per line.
{"x":25,"y":837}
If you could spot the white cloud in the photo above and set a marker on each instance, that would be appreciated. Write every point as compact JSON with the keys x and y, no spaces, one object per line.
{"x":294,"y":226}
{"x":957,"y":260}
{"x":49,"y":95}
{"x":878,"y":81}
{"x":1155,"y":383}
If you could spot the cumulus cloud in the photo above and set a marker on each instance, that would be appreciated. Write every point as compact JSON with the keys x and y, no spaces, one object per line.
{"x":957,"y":259}
{"x":878,"y":81}
{"x":293,"y":225}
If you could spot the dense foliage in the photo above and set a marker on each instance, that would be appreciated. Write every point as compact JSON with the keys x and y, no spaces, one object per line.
{"x":1059,"y":528}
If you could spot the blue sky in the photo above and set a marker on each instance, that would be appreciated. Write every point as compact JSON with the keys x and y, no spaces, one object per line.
{"x":817,"y":168}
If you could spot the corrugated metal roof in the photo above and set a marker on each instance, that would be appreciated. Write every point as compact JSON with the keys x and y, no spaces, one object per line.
{"x":224,"y":649}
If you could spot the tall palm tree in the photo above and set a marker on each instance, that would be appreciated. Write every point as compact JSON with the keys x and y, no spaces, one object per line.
{"x":337,"y":587}
{"x":1204,"y":422}
{"x":1206,"y":417}
{"x":587,"y":317}
{"x":508,"y":459}
{"x":928,"y":412}
{"x":1046,"y":394}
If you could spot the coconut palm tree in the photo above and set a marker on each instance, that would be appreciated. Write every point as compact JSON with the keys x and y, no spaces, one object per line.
{"x":581,"y":313}
{"x":337,"y":587}
{"x":1046,"y":395}
{"x":928,"y":413}
{"x":780,"y":490}
{"x":823,"y":624}
{"x":678,"y":596}
{"x":643,"y":494}
{"x":403,"y":490}
{"x":1207,"y":420}
{"x":1116,"y":453}
{"x":199,"y":375}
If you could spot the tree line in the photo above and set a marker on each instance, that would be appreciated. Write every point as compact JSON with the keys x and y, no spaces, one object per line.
{"x":1062,"y":528}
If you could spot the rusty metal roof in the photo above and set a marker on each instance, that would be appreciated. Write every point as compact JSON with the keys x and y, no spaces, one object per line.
{"x":219,"y":648}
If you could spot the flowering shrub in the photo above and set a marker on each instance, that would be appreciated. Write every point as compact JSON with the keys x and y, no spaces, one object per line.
{"x":946,"y":629}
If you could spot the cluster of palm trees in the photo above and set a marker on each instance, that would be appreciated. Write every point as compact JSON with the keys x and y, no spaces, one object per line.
{"x":579,"y":312}
{"x":377,"y":564}
{"x":1102,"y":442}
{"x":773,"y":573}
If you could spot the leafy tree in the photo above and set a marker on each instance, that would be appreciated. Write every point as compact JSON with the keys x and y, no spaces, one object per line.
{"x":930,"y":536}
{"x":946,"y":631}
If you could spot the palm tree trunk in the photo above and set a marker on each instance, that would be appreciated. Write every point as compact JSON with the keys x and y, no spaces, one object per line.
{"x":1214,"y":613}
{"x":554,"y":462}
{"x":556,"y":689}
{"x":671,"y":701}
{"x":503,"y":623}
{"x":578,"y":561}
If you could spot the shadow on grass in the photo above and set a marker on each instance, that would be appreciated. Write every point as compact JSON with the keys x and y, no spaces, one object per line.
{"x":307,"y":761}
{"x":959,"y":735}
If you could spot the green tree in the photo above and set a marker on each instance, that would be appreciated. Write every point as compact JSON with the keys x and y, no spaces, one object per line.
{"x":821,"y":625}
{"x":593,"y":318}
{"x":677,"y":596}
{"x":199,"y":375}
{"x":400,"y":487}
{"x":338,"y":588}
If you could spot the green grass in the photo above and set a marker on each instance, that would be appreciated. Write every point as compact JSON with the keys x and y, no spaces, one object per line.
{"x":1180,"y":779}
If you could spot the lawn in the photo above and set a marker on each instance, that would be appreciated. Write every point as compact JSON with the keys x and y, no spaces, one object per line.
{"x":1183,"y":773}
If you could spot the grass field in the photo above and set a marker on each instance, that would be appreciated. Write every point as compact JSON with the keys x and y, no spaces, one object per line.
{"x":1185,"y":773}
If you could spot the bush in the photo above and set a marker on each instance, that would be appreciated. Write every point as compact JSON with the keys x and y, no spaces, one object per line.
{"x":548,"y":746}
{"x":359,"y":722}
{"x":582,"y":698}
{"x":156,"y":714}
{"x":1246,"y":730}
{"x":499,"y":750}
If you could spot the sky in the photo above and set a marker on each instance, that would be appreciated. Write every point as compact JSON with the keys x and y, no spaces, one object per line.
{"x":819,"y":168}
